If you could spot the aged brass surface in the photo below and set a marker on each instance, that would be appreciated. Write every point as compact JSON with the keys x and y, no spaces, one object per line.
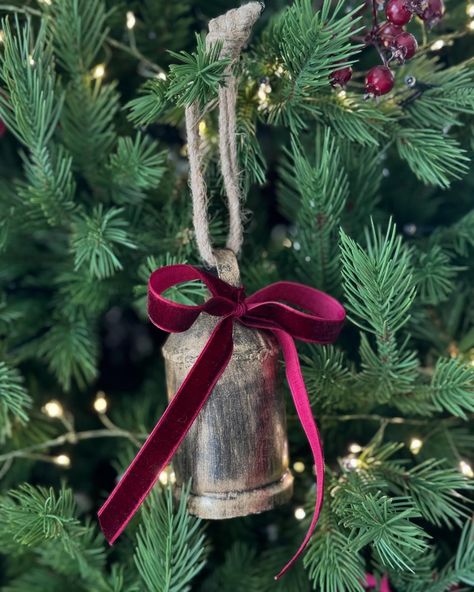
{"x":236,"y":452}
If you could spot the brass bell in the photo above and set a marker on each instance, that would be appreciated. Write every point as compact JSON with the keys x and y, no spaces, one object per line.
{"x":236,"y":452}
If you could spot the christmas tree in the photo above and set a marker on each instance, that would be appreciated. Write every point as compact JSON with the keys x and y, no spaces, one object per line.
{"x":354,"y":138}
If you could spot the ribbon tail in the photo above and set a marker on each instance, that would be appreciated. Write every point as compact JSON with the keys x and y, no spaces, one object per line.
{"x":168,"y":433}
{"x":303,"y":408}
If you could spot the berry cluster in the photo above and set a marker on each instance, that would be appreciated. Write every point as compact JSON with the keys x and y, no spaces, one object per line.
{"x":392,"y":42}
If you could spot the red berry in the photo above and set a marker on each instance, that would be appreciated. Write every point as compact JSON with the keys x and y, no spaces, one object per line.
{"x":341,"y":77}
{"x":433,"y":13}
{"x":379,"y":81}
{"x":3,"y":129}
{"x":397,"y":12}
{"x":405,"y":46}
{"x":387,"y":33}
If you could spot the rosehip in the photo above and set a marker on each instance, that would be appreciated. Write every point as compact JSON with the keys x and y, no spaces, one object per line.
{"x":341,"y":77}
{"x":397,"y":12}
{"x":388,"y":32}
{"x":379,"y":81}
{"x":405,"y":46}
{"x":433,"y":13}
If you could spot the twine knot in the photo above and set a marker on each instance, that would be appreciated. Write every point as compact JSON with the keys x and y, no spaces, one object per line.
{"x":233,"y":28}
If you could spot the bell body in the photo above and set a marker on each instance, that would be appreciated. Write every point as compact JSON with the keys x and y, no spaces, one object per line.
{"x":236,"y":452}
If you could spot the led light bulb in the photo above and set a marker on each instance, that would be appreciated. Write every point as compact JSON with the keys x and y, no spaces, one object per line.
{"x":53,"y":408}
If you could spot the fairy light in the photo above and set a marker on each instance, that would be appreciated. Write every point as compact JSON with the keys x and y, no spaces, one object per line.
{"x":355,"y":448}
{"x":437,"y":45}
{"x":470,"y":10}
{"x":62,"y":460}
{"x":287,"y":243}
{"x":47,"y":2}
{"x":2,"y":36}
{"x":299,"y":466}
{"x":53,"y":408}
{"x":353,"y":463}
{"x":470,"y":26}
{"x":100,"y":402}
{"x":98,"y":72}
{"x":264,"y":90}
{"x":161,"y":76}
{"x":416,"y":444}
{"x":131,"y":20}
{"x":31,"y":60}
{"x":172,"y":477}
{"x":342,"y":94}
{"x":466,"y":469}
{"x":163,"y":477}
{"x":202,"y":128}
{"x":300,"y":513}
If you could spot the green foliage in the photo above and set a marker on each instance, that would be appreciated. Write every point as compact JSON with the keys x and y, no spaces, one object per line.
{"x":331,"y":562}
{"x":452,"y":387}
{"x":70,"y":348}
{"x":199,"y":74}
{"x":35,"y":515}
{"x":323,"y":188}
{"x":14,"y":400}
{"x":434,"y":275}
{"x":135,"y":167}
{"x":387,"y":524}
{"x":31,"y":109}
{"x":95,"y":238}
{"x":309,"y":46}
{"x":433,"y":157}
{"x":170,"y":549}
{"x":378,"y":281}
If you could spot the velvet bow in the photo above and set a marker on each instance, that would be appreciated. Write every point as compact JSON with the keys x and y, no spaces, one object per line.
{"x":288,"y":309}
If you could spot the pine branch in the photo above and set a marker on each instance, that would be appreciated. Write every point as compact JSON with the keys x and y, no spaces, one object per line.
{"x":14,"y":400}
{"x":378,"y":281}
{"x":170,"y":549}
{"x":31,"y":106}
{"x":434,"y":158}
{"x":135,"y":167}
{"x":452,"y":387}
{"x":434,"y":275}
{"x":323,"y":190}
{"x":386,"y":524}
{"x":331,"y":562}
{"x":70,"y":348}
{"x":95,"y":239}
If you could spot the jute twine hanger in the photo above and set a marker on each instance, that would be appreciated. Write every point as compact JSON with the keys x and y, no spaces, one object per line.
{"x":232,"y":29}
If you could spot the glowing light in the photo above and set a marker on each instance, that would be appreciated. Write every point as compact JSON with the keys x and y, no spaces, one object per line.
{"x":466,"y":469}
{"x":172,"y":477}
{"x":342,"y":94}
{"x":100,"y":403}
{"x":299,"y":467}
{"x":470,"y":10}
{"x":2,"y":36}
{"x":47,"y":2}
{"x":300,"y":513}
{"x":163,"y":477}
{"x":98,"y":71}
{"x":264,"y":90}
{"x":287,"y":243}
{"x":63,"y":460}
{"x":202,"y":127}
{"x":355,"y":448}
{"x":437,"y":45}
{"x":161,"y":76}
{"x":53,"y":408}
{"x":354,"y":463}
{"x":31,"y":61}
{"x":416,"y":445}
{"x":453,"y":350}
{"x":470,"y":26}
{"x":131,"y":20}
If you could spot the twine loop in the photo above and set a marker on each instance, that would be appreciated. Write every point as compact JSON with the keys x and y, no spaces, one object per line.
{"x":233,"y":29}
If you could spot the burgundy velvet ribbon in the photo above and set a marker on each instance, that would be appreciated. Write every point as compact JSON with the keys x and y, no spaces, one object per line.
{"x":317,"y":318}
{"x":371,"y":582}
